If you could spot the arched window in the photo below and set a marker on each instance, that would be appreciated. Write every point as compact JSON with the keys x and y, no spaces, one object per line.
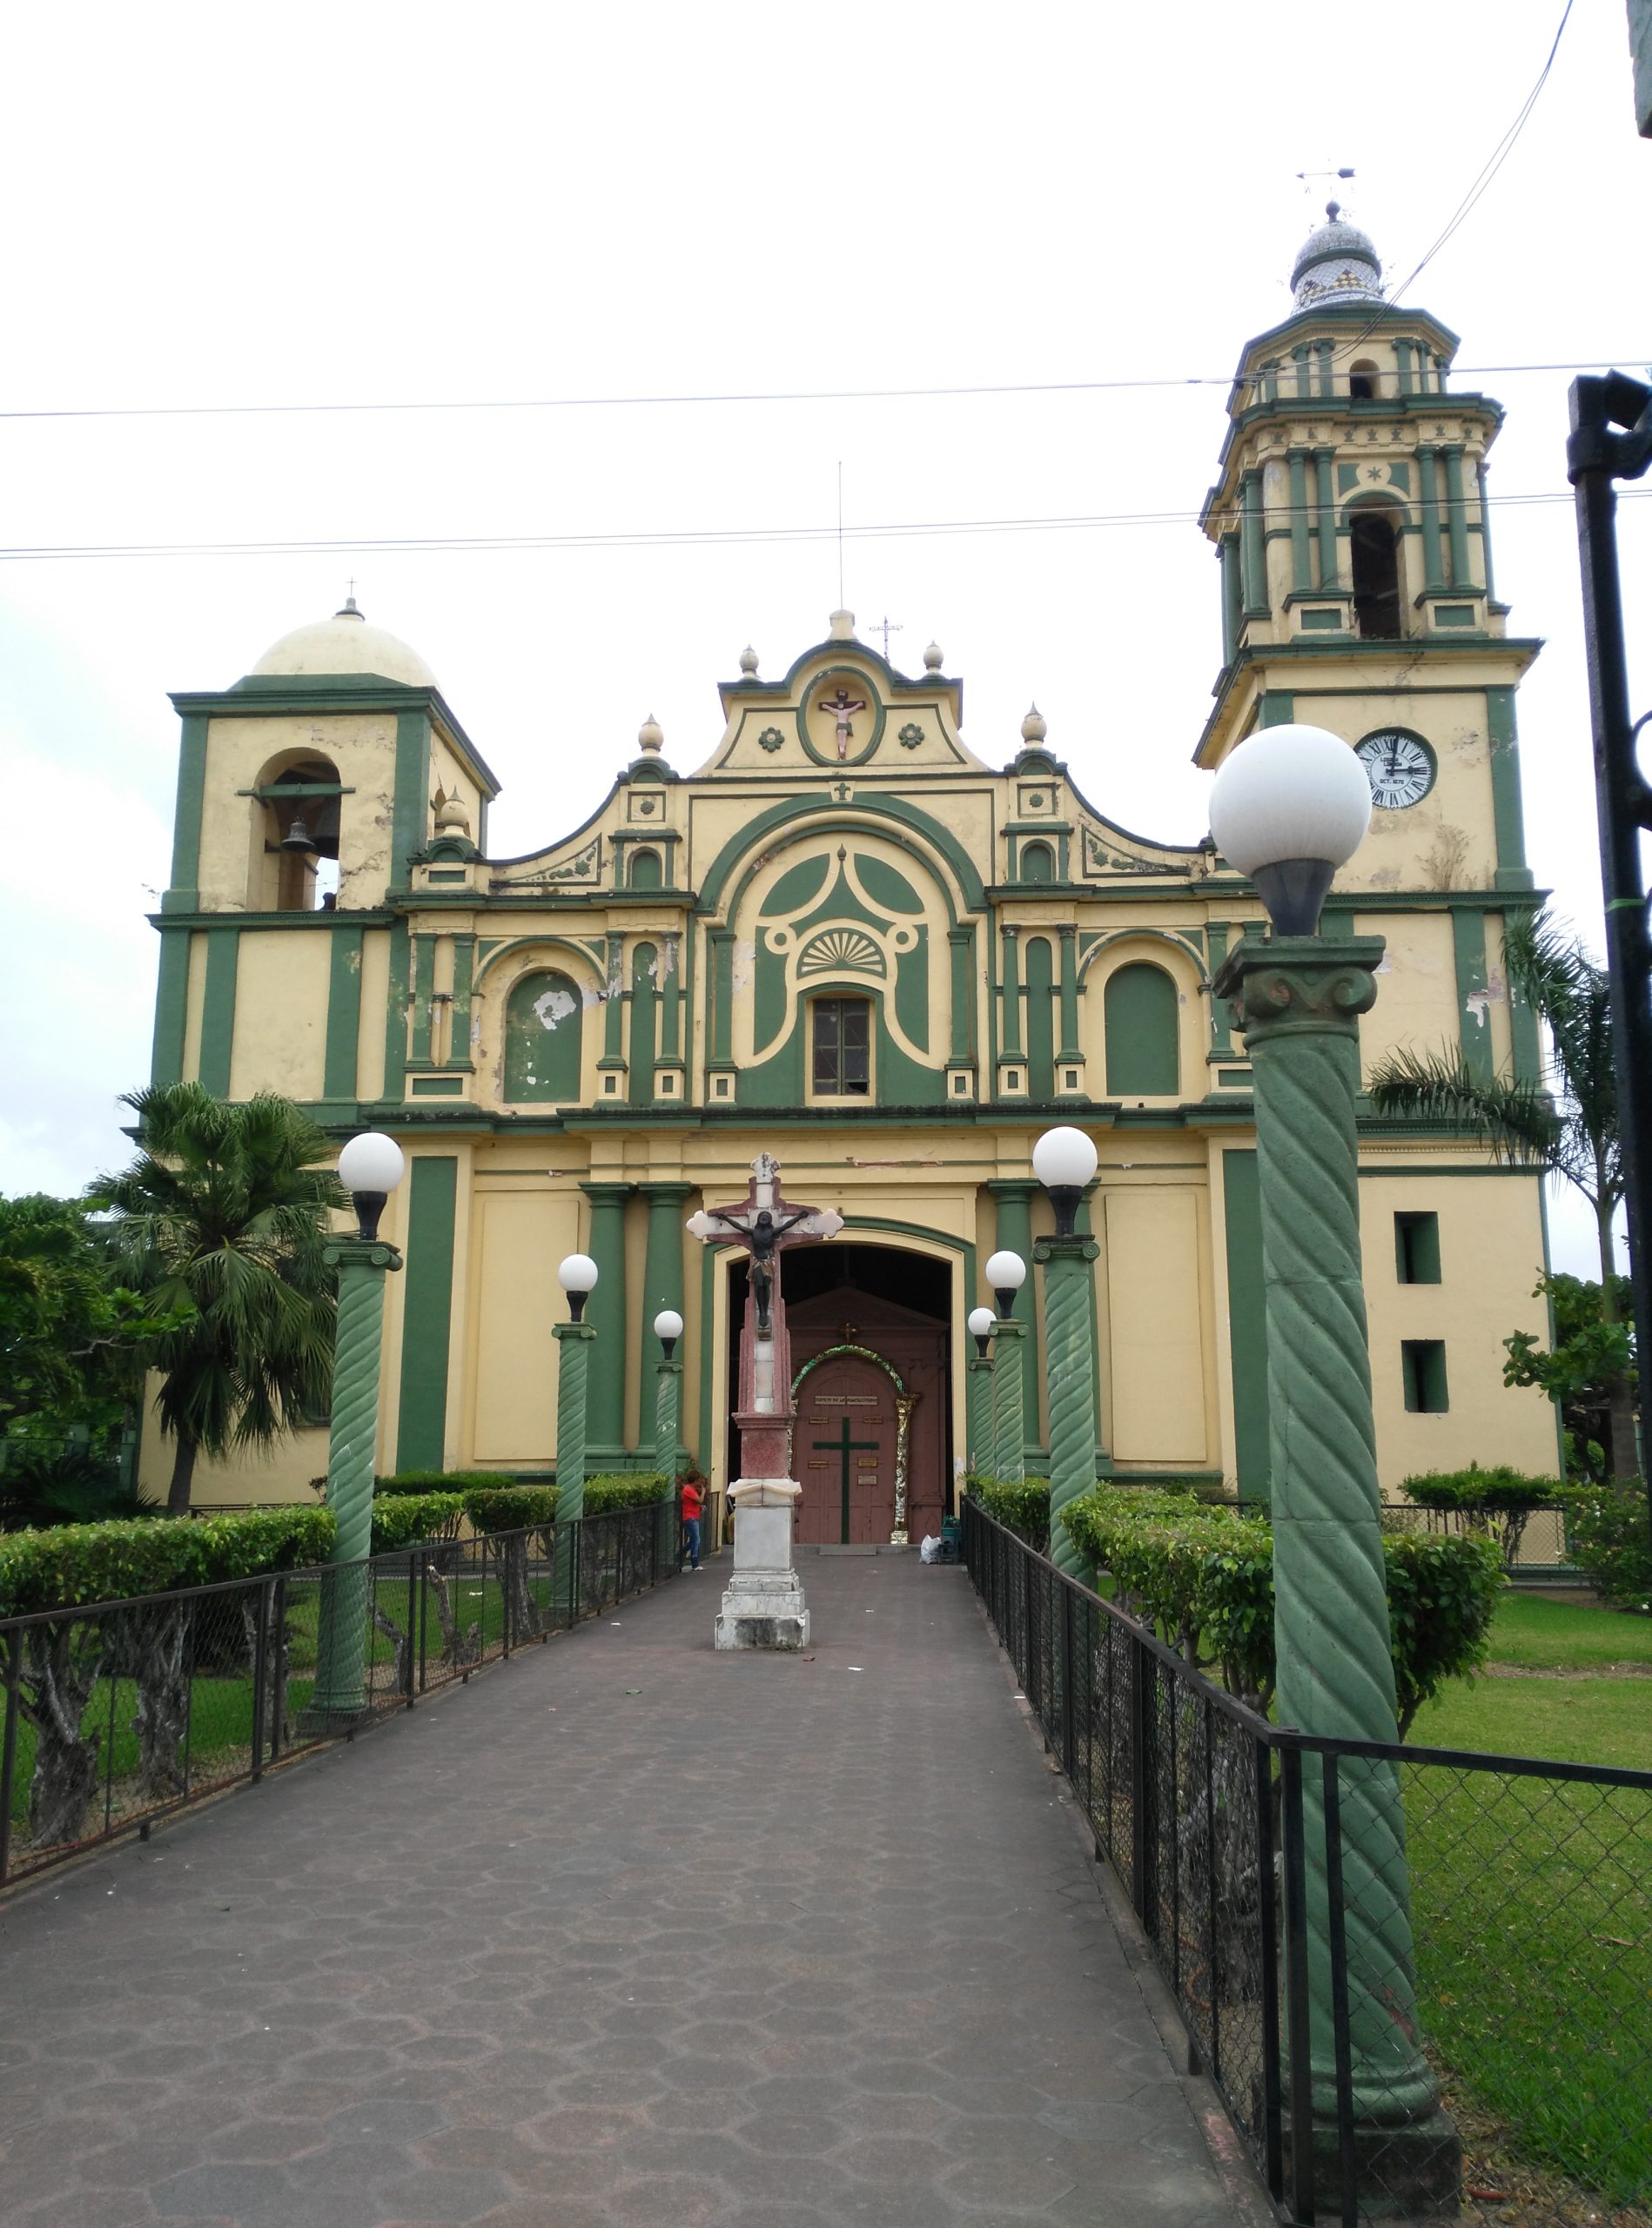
{"x":1142,"y":1026}
{"x":644,"y":871}
{"x":295,"y":863}
{"x":543,"y":1019}
{"x":1365,"y":381}
{"x":1037,"y":863}
{"x":1376,"y":574}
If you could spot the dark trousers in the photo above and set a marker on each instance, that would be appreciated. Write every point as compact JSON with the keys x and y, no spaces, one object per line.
{"x":691,"y":1540}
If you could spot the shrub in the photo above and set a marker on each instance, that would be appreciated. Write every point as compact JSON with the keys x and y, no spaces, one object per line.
{"x":407,"y":1520}
{"x":1203,"y":1578}
{"x":75,"y":1564}
{"x":611,"y":1489}
{"x":509,"y":1508}
{"x":1024,"y":1507}
{"x":1498,"y":1501}
{"x":444,"y":1481}
{"x":1612,"y":1541}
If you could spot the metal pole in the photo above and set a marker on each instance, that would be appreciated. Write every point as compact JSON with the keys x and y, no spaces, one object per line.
{"x":340,"y":1694}
{"x":1595,"y":457}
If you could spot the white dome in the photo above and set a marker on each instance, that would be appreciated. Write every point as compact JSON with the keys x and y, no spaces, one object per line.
{"x":346,"y":643}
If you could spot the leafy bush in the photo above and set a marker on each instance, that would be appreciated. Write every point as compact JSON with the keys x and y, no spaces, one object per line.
{"x":509,"y":1508}
{"x":613,"y":1489}
{"x":41,"y":1486}
{"x":1498,"y":1501}
{"x":75,"y":1564}
{"x":1024,"y":1507}
{"x":1203,"y":1578}
{"x":1612,"y":1540}
{"x":444,"y":1481}
{"x":404,"y":1519}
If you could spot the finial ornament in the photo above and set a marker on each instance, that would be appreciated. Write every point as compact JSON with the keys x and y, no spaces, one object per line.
{"x":1034,"y":727}
{"x":650,"y":734}
{"x":933,"y":659}
{"x":748,"y":662}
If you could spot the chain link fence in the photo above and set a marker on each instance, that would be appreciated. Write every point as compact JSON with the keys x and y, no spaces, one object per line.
{"x":118,"y":1714}
{"x":1502,"y":2073}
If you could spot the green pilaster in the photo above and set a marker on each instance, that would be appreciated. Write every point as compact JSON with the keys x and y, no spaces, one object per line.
{"x":1508,"y":811}
{"x":1485,"y":530}
{"x":184,"y":896}
{"x":670,"y":997}
{"x":961,"y":950}
{"x":1069,"y":1290}
{"x":1216,"y":935}
{"x":344,"y":1013}
{"x":1326,"y":351}
{"x":1297,"y":1001}
{"x":573,"y":1344}
{"x":424,"y":982}
{"x":1457,"y":517}
{"x":723,"y":993}
{"x":1253,"y":554}
{"x":396,"y":997}
{"x":1010,"y":1019}
{"x":978,"y":1413}
{"x":341,"y":1692}
{"x":459,"y":1009}
{"x":1009,"y":1431}
{"x":1277,"y":708}
{"x":1069,"y":1048}
{"x":410,"y":802}
{"x":1233,"y":598}
{"x":614,"y":1005}
{"x":421,"y":1425}
{"x":1433,"y":570}
{"x":171,"y":1008}
{"x":1402,"y":358}
{"x":1327,"y":522}
{"x":1300,"y":577}
{"x":1013,"y":1196}
{"x":662,"y":1284}
{"x":605,"y":1313}
{"x":1246,"y":1320}
{"x":1299,"y":359}
{"x":1474,"y":1021}
{"x":218,"y":1009}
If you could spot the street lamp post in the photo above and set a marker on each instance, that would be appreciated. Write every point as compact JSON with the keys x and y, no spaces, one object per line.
{"x":369,"y":1168}
{"x":1289,"y":806}
{"x":979,"y":1380}
{"x":577,"y":1276}
{"x":1006,"y":1274}
{"x":668,"y":1400}
{"x":1064,"y":1160}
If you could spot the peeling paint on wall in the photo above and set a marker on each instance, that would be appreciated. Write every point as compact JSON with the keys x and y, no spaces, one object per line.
{"x":554,"y":1006}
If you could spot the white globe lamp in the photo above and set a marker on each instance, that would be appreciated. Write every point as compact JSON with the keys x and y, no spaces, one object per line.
{"x":668,"y":1328}
{"x":979,"y":1326}
{"x":1064,"y":1160}
{"x":1006,"y":1274}
{"x":370,"y":1168}
{"x":577,"y":1275}
{"x":1289,"y":807}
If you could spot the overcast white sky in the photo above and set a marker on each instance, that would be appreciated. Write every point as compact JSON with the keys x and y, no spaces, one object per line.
{"x":406,"y":203}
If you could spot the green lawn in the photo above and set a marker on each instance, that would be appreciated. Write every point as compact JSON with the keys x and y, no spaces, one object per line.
{"x":1547,"y":1635}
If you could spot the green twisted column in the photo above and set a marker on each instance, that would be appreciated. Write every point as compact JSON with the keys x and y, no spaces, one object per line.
{"x":1297,"y":1001}
{"x":978,"y":1413}
{"x":1009,"y":1434}
{"x":1070,"y":1360}
{"x":340,"y":1694}
{"x":667,"y":1402}
{"x":573,"y":1342}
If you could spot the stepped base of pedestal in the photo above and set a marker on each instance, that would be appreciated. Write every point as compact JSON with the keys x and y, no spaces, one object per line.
{"x":763,"y":1609}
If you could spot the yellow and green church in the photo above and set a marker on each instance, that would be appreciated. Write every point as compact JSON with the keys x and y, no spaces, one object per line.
{"x":844,"y":932}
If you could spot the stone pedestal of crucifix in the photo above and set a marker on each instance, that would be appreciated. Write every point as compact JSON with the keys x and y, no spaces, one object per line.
{"x":764,"y":1605}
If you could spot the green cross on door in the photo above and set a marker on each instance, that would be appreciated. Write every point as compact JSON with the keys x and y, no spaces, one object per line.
{"x":845,"y":1445}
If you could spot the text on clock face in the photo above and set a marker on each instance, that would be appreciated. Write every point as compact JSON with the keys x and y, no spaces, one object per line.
{"x":1399,"y":769}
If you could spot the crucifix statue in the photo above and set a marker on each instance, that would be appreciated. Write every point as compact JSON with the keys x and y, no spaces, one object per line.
{"x":764,"y":1222}
{"x":842,"y":708}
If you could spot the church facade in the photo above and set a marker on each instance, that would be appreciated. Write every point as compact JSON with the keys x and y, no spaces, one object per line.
{"x":851,"y":937}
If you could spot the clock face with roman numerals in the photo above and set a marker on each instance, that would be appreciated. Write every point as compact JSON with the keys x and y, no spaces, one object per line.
{"x":1399,"y":769}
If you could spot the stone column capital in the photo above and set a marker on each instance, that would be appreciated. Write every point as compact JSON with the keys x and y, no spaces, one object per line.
{"x":1076,"y":1247}
{"x":604,"y":1191}
{"x":578,"y":1331}
{"x":1013,"y":1187}
{"x":352,"y":1252}
{"x":1299,"y":986}
{"x":667,"y":1191}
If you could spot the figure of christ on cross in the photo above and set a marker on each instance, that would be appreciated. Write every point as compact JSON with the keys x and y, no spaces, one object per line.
{"x":842,"y":708}
{"x":764,"y":1222}
{"x":844,"y":1446}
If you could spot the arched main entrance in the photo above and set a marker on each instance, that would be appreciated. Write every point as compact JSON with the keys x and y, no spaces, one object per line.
{"x":851,"y":1449}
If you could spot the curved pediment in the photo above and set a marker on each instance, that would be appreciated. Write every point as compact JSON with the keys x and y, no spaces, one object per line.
{"x":842,"y":707}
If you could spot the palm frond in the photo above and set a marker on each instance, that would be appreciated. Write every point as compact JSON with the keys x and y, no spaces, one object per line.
{"x":1516,"y":1120}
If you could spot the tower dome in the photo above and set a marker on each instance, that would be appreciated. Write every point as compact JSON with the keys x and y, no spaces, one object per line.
{"x":346,"y":643}
{"x":1336,"y":263}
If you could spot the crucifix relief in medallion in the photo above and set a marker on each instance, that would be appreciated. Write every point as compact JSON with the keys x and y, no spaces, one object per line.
{"x":840,"y":708}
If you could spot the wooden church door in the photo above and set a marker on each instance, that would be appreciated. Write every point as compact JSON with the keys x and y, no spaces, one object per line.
{"x":843,"y":1450}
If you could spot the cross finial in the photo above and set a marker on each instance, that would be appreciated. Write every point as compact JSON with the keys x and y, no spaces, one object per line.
{"x":886,"y":626}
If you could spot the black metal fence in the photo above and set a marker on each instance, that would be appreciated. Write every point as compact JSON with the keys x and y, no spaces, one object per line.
{"x":1243,"y":1852}
{"x":118,"y":1714}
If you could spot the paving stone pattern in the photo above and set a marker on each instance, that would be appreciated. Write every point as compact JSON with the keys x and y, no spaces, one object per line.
{"x":626,"y":1931}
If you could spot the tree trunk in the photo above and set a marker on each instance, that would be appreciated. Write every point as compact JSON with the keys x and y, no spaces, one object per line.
{"x":157,"y":1660}
{"x":62,"y":1664}
{"x":1620,"y":1398}
{"x":183,"y":1476}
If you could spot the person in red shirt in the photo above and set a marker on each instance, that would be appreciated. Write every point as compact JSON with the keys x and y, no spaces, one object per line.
{"x":694,"y":1502}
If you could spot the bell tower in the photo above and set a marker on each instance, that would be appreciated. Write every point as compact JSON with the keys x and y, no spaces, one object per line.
{"x":1350,"y":518}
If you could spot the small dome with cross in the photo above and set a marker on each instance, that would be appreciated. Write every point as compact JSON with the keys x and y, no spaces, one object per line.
{"x":1336,"y":263}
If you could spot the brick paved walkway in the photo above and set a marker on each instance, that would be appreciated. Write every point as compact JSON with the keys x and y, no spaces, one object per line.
{"x":625,"y":1932}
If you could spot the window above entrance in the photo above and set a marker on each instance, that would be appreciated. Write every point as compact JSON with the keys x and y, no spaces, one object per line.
{"x":841,"y":1048}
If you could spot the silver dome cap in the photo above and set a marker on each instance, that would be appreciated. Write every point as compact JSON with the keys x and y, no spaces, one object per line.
{"x":1336,"y":263}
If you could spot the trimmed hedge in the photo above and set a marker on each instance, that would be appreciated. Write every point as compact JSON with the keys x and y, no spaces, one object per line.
{"x":613,"y":1489}
{"x":1203,"y":1578}
{"x":445,"y":1481}
{"x":1610,"y":1540}
{"x":73,"y":1565}
{"x":509,"y":1508}
{"x":1499,"y":1487}
{"x":408,"y":1519}
{"x":1024,"y":1506}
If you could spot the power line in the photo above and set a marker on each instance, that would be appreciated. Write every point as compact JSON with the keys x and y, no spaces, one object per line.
{"x":461,"y":544}
{"x":734,"y":398}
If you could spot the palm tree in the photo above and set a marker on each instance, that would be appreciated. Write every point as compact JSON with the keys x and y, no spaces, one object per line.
{"x":1568,"y":1126}
{"x":224,"y":1214}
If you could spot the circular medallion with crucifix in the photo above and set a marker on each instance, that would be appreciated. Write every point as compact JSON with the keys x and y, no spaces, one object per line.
{"x":840,"y":721}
